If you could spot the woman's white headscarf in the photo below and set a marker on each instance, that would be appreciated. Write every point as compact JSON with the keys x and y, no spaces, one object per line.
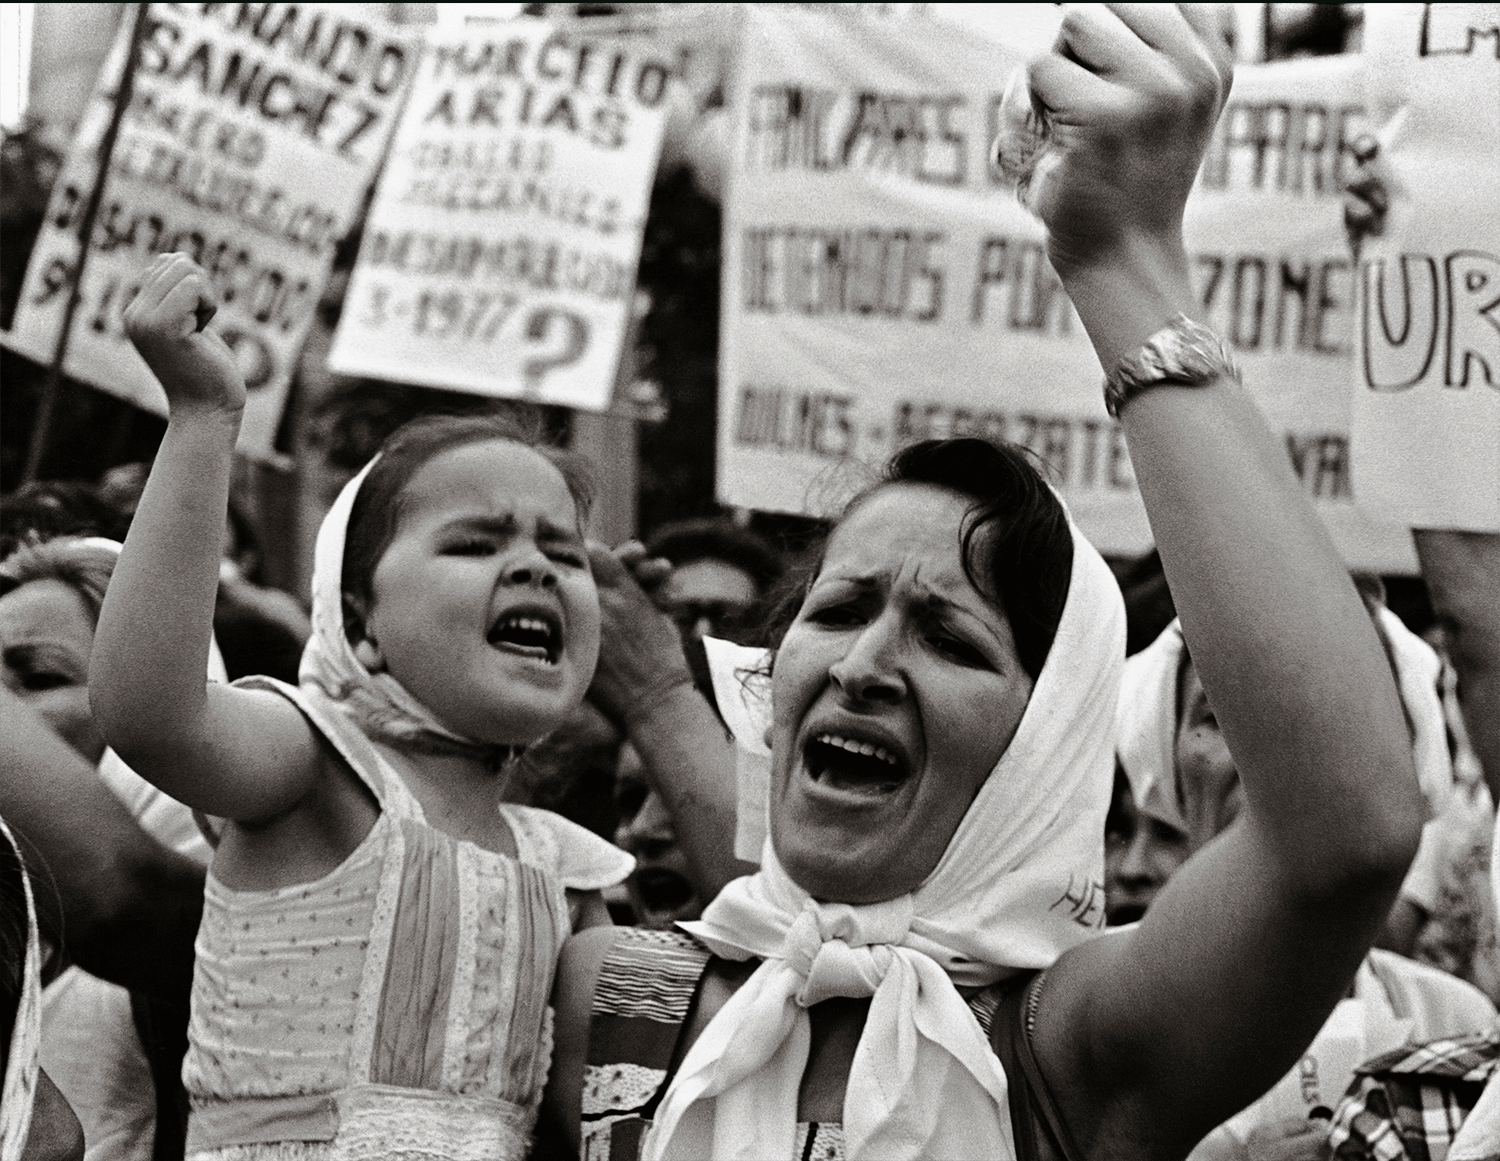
{"x":19,"y":1092}
{"x":1020,"y":883}
{"x":1148,"y":718}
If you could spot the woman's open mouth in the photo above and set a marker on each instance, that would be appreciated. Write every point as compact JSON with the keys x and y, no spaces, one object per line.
{"x":853,"y":765}
{"x":661,"y":889}
{"x":1124,"y":913}
{"x":533,"y":635}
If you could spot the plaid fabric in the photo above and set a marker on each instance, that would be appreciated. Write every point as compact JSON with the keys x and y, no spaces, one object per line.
{"x":1408,"y":1105}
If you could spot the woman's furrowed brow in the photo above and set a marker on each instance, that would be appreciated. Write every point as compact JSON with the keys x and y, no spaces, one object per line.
{"x":937,"y":604}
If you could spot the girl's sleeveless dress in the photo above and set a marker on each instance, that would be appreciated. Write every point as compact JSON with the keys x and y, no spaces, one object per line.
{"x":396,"y":1007}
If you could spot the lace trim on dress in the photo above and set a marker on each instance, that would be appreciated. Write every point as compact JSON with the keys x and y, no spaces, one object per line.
{"x":267,"y":1151}
{"x":377,"y":1123}
{"x":578,"y":858}
{"x":372,"y":981}
{"x":463,"y":975}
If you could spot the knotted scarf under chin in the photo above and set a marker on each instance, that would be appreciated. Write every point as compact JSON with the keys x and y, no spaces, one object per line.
{"x":379,"y":705}
{"x":923,"y":1082}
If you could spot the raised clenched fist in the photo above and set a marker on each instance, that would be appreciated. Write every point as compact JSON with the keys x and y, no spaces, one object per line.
{"x":1130,"y":94}
{"x":168,"y":323}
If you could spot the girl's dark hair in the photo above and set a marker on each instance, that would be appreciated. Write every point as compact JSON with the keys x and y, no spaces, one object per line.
{"x":1023,"y":564}
{"x":376,"y":513}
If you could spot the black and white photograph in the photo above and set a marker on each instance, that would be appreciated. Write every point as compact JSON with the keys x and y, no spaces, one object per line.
{"x":749,"y":582}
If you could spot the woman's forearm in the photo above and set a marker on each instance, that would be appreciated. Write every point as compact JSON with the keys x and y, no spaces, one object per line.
{"x":1285,"y":648}
{"x":692,"y":763}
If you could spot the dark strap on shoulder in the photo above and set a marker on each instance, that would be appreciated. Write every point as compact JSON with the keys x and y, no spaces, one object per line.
{"x":1033,"y":1113}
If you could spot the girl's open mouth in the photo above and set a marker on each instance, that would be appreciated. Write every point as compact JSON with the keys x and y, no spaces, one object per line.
{"x":537,"y":636}
{"x":854,"y":765}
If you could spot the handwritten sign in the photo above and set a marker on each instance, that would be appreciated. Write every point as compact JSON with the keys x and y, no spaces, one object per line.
{"x":1427,"y":396}
{"x":252,"y":135}
{"x":1275,"y":275}
{"x":882,"y":286}
{"x":501,"y":250}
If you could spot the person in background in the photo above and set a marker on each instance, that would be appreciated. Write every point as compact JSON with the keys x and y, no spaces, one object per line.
{"x":116,"y":904}
{"x":36,"y":1122}
{"x":1177,"y":789}
{"x":661,"y":890}
{"x":1458,"y":929}
{"x":676,"y":751}
{"x":721,"y":575}
{"x":115,"y":1055}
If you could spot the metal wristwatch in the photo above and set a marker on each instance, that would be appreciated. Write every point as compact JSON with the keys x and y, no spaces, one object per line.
{"x":1183,"y":353}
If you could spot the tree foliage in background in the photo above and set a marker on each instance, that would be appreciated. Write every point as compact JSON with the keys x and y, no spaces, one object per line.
{"x":679,"y":349}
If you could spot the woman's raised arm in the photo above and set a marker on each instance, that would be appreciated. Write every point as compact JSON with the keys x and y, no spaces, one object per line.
{"x":122,"y":906}
{"x":233,"y":753}
{"x":644,"y":684}
{"x":1155,"y":1036}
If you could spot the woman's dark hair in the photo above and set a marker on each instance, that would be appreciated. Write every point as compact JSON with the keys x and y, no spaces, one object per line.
{"x":377,"y":509}
{"x":14,"y":928}
{"x":1023,"y":563}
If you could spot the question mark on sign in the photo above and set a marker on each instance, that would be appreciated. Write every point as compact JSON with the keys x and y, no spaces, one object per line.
{"x":538,"y":326}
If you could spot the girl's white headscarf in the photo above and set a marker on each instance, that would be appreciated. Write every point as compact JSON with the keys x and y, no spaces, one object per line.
{"x":377,"y":701}
{"x":1019,"y":884}
{"x":1148,"y":718}
{"x":19,"y":1092}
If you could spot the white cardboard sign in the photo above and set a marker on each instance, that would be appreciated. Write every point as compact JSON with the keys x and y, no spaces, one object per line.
{"x":500,"y":253}
{"x":250,"y":140}
{"x":881,"y":286}
{"x":1427,"y":382}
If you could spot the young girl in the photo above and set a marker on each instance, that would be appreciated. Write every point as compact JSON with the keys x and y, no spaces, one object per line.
{"x":379,"y":932}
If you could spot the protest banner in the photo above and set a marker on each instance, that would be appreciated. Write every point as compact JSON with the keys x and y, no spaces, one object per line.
{"x":1274,"y":272}
{"x":882,"y":285}
{"x":501,"y":250}
{"x":1427,"y":379}
{"x":249,"y":141}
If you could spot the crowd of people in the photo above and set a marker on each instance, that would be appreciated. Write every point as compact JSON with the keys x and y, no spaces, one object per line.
{"x":452,"y":862}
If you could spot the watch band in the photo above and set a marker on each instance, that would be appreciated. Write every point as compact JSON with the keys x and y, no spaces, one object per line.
{"x":1183,"y":353}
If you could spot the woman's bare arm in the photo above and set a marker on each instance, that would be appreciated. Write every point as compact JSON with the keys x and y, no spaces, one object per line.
{"x":643,"y":683}
{"x":119,"y":904}
{"x":233,"y":753}
{"x":1154,"y":1037}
